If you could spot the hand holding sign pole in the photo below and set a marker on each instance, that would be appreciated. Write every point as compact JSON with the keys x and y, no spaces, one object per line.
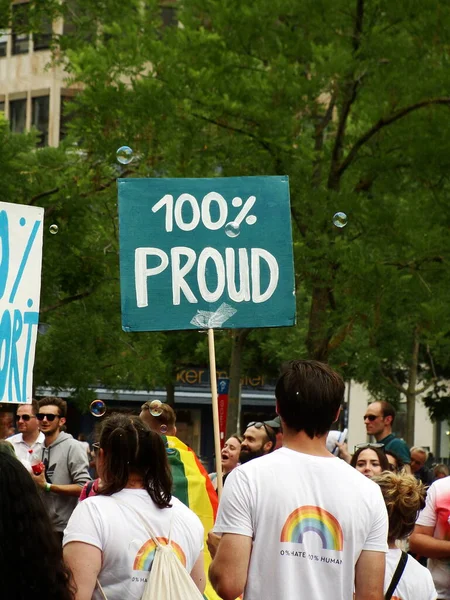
{"x":206,"y":254}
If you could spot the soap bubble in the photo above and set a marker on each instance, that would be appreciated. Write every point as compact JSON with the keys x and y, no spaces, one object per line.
{"x":232,"y":230}
{"x":163,"y":429}
{"x":170,"y":451}
{"x":98,"y":408}
{"x":155,"y":408}
{"x":124,"y":155}
{"x":340,"y":219}
{"x":53,"y":229}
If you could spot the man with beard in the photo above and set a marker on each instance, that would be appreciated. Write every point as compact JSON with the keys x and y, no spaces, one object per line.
{"x":259,"y":439}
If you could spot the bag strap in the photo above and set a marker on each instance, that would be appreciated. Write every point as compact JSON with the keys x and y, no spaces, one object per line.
{"x":397,"y":576}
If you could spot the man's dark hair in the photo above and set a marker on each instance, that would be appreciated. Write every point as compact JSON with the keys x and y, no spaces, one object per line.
{"x":387,"y":409}
{"x":309,"y":394}
{"x":27,"y":532}
{"x":129,"y":446}
{"x":54,"y":401}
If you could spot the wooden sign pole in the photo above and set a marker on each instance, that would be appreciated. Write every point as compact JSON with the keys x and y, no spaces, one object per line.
{"x":215,"y":407}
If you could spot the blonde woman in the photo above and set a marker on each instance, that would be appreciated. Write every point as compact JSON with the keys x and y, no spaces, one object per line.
{"x":404,"y":497}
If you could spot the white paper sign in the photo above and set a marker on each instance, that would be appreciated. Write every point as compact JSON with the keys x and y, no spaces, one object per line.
{"x":20,"y":287}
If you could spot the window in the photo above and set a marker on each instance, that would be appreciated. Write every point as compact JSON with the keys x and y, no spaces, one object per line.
{"x":3,"y":42}
{"x":18,"y":115}
{"x":2,"y":106}
{"x":20,"y":37}
{"x":40,"y":118}
{"x":43,"y":39}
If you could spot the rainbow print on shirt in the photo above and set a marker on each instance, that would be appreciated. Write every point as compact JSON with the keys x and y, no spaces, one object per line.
{"x":144,"y":557}
{"x":316,"y":519}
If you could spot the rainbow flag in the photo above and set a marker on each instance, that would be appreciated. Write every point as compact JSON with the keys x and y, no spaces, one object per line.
{"x":194,"y":488}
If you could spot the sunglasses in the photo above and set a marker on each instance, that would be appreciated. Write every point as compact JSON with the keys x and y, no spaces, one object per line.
{"x":25,"y":417}
{"x":49,"y":417}
{"x":258,"y":425}
{"x":371,"y":417}
{"x":376,"y":446}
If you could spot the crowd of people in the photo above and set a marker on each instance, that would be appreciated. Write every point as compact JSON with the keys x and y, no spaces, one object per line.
{"x":300,"y":516}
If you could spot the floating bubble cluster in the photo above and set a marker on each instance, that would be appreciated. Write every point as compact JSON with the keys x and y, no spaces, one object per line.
{"x":340,"y":219}
{"x":155,"y":408}
{"x":98,"y":408}
{"x":124,"y":155}
{"x":232,"y":230}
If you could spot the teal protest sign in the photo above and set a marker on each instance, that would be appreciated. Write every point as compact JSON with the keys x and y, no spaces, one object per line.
{"x":205,"y":253}
{"x":20,"y":285}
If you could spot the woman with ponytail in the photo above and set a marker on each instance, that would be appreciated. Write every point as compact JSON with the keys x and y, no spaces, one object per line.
{"x":107,"y":538}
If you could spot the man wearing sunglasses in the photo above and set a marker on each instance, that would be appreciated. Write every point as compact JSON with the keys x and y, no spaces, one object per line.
{"x":66,"y":463}
{"x":29,"y":440}
{"x":300,"y":522}
{"x":379,"y":419}
{"x":259,"y":439}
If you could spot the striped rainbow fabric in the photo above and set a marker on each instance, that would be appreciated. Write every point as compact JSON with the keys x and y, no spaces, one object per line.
{"x":194,"y":488}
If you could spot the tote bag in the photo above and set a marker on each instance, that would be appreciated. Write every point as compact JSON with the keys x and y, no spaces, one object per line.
{"x":168,"y":580}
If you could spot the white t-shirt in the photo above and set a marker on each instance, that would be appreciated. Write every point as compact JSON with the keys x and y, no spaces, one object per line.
{"x":415,"y":583}
{"x":22,"y":449}
{"x":437,"y":514}
{"x":127,"y":551}
{"x":310,"y":517}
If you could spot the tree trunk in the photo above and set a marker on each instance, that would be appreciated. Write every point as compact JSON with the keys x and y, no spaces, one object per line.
{"x":234,"y":393}
{"x":170,"y":393}
{"x":317,"y":339}
{"x":411,"y":393}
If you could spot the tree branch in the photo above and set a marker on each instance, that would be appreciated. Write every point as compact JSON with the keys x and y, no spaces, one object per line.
{"x":349,"y":98}
{"x":34,"y":199}
{"x":403,"y":112}
{"x":392,"y":382}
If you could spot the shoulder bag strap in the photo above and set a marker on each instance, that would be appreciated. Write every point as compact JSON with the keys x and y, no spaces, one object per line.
{"x":397,"y":576}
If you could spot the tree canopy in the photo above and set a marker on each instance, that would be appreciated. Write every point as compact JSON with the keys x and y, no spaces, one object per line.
{"x":348,"y":99}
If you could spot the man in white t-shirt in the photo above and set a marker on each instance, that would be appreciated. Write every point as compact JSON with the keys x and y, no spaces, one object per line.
{"x":431,"y":536}
{"x":301,"y":523}
{"x":30,"y":440}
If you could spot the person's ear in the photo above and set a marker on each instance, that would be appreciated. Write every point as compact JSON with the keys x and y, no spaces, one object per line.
{"x":268,"y":446}
{"x":390,"y":419}
{"x":174,"y":431}
{"x":62,"y":420}
{"x":338,"y":414}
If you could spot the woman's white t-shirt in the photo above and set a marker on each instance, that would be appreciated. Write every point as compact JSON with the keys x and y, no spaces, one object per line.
{"x":127,"y":549}
{"x":415,"y":583}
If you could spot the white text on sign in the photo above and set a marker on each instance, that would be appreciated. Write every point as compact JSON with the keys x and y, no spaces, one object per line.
{"x":174,"y":211}
{"x":183,"y":259}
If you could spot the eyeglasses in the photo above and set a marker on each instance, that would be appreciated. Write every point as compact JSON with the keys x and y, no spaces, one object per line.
{"x":49,"y":417}
{"x":25,"y":417}
{"x":371,"y":417}
{"x":376,"y":446}
{"x":258,"y":425}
